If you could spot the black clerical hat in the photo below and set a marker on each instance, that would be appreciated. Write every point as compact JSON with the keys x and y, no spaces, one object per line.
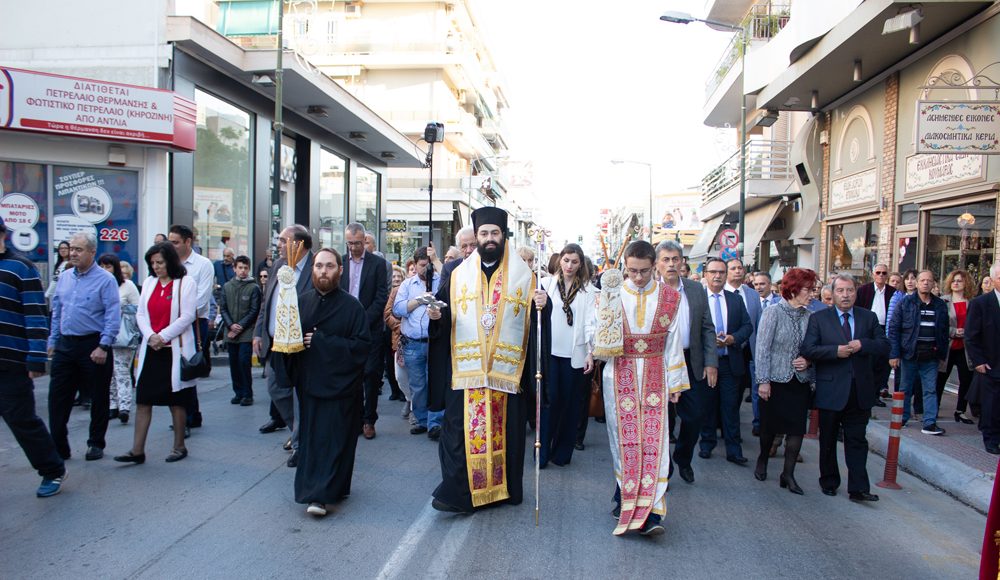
{"x":490,"y":215}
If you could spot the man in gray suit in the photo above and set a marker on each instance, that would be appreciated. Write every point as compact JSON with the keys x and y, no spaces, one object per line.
{"x":279,"y":386}
{"x":700,"y":354}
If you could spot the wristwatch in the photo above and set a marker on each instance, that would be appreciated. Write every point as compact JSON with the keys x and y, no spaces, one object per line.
{"x":104,"y":347}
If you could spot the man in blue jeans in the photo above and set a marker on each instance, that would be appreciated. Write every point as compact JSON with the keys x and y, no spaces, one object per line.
{"x":414,"y":323}
{"x":918,"y":341}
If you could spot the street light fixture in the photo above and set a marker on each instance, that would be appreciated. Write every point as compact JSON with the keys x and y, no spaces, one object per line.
{"x":649,"y":168}
{"x":676,"y":17}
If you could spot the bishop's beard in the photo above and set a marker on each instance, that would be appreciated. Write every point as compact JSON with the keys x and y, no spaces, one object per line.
{"x":490,"y":252}
{"x":326,"y":284}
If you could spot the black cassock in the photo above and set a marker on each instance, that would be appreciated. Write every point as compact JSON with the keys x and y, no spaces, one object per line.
{"x":454,"y":487}
{"x":330,"y":378}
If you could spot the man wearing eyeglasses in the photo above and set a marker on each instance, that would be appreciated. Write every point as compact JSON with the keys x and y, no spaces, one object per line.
{"x":875,"y":296}
{"x":638,"y":334}
{"x":732,"y":330}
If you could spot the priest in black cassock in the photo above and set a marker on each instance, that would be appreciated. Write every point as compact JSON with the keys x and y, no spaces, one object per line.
{"x":481,"y":370}
{"x":330,"y":377}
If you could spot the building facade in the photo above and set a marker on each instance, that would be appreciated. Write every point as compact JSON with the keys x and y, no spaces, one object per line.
{"x":858,"y":71}
{"x":223,"y":187}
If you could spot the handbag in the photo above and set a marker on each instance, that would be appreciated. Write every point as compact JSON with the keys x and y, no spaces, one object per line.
{"x":198,"y":366}
{"x":596,"y":406}
{"x":129,"y":335}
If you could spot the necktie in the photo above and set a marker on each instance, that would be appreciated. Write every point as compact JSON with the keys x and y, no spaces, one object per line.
{"x":763,"y":303}
{"x":720,"y":326}
{"x":847,"y":326}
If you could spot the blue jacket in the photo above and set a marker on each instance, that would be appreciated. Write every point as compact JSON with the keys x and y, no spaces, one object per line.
{"x":905,"y":327}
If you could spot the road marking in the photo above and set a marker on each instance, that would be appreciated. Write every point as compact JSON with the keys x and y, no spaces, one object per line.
{"x":396,"y":565}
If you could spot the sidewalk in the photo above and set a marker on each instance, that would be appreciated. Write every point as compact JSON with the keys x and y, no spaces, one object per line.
{"x":956,"y":462}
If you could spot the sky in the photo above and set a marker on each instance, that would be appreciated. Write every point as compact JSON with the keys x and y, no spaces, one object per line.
{"x":590,"y":82}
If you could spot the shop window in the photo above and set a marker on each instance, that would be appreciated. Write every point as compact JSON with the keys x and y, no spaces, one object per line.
{"x":907,"y":214}
{"x":24,"y":209}
{"x":332,"y":185}
{"x":223,"y":169}
{"x":854,"y":249}
{"x":961,"y":237}
{"x":366,"y":212}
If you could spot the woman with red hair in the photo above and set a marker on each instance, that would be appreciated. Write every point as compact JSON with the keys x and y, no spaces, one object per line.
{"x":784,"y":377}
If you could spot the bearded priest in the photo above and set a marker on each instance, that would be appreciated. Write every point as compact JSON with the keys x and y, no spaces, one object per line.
{"x":330,"y":376}
{"x":638,"y":334}
{"x":482,"y":369}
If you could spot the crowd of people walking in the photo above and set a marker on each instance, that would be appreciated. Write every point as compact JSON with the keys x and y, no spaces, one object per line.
{"x":649,"y":344}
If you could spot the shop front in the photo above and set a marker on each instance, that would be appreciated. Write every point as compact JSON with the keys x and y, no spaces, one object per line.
{"x":79,"y":155}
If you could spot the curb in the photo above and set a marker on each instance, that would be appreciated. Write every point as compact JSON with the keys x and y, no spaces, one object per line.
{"x":968,"y":485}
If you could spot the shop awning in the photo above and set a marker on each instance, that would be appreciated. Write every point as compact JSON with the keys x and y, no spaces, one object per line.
{"x":703,"y":245}
{"x":757,"y":222}
{"x":416,"y":211}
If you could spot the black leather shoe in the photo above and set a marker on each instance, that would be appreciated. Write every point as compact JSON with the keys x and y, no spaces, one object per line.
{"x":131,"y":458}
{"x":687,"y":474}
{"x":176,"y":455}
{"x":123,"y":417}
{"x":673,"y":438}
{"x":616,"y":513}
{"x":651,"y":528}
{"x":578,"y":446}
{"x":443,"y":507}
{"x":879,"y":403}
{"x":789,"y":482}
{"x":246,"y":402}
{"x":395,"y":397}
{"x":434,"y":434}
{"x":829,"y":492}
{"x":704,"y":454}
{"x":862,"y":496}
{"x":737,"y":459}
{"x":993,"y":448}
{"x":293,"y":461}
{"x":755,"y":431}
{"x":114,"y":414}
{"x":272,"y":426}
{"x":94,"y":453}
{"x":418,"y":430}
{"x":760,"y":471}
{"x":235,"y":400}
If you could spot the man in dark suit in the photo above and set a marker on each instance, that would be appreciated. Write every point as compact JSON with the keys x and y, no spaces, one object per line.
{"x":982,"y":345}
{"x":366,"y":278}
{"x":279,"y":385}
{"x":732,"y":327}
{"x":698,"y":342}
{"x":843,"y":343}
{"x":875,"y":296}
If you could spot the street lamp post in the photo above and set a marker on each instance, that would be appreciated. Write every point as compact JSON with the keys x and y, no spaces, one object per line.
{"x":649,"y":169}
{"x":684,"y":18}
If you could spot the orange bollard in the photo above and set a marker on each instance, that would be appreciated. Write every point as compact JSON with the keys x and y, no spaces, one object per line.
{"x":892,"y":454}
{"x":813,"y":432}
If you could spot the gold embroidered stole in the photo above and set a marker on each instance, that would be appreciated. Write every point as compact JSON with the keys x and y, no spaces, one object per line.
{"x":640,"y":409}
{"x":490,"y":323}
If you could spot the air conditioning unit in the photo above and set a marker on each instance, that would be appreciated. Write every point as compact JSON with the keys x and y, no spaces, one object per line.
{"x":352,"y":10}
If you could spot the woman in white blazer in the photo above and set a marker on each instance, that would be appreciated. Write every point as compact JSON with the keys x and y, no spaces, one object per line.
{"x":572,"y":323}
{"x":167,"y":309}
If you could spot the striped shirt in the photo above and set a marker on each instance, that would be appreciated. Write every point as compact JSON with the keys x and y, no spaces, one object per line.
{"x":23,"y":325}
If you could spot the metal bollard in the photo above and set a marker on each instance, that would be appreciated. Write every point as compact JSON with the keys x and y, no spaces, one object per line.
{"x":892,"y":454}
{"x":813,"y":432}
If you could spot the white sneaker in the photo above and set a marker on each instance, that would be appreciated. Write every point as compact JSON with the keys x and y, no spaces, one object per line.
{"x":316,"y":509}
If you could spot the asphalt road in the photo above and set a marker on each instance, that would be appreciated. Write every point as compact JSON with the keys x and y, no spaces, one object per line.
{"x":228,"y":511}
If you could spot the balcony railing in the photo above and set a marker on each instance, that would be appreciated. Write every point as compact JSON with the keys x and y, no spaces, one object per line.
{"x":765,"y":160}
{"x":764,"y":20}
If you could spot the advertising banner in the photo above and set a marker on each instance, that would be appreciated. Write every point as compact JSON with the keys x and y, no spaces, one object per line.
{"x":101,"y":201}
{"x":49,"y":103}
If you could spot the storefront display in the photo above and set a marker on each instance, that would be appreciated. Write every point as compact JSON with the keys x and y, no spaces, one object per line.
{"x":961,"y":237}
{"x":366,"y":213}
{"x":332,"y":184}
{"x":854,"y":249}
{"x":24,"y":208}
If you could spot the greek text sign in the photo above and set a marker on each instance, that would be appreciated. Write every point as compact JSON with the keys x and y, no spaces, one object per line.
{"x":932,"y":171}
{"x":48,"y":103}
{"x":958,"y":127}
{"x":858,"y":189}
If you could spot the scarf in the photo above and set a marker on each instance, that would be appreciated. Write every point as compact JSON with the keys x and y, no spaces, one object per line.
{"x":567,"y":297}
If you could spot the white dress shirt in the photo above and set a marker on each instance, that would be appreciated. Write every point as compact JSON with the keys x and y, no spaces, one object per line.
{"x":202,"y":271}
{"x":878,"y":305}
{"x":683,"y":317}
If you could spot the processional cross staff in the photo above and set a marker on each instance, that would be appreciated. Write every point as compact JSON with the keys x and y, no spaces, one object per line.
{"x":539,"y":235}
